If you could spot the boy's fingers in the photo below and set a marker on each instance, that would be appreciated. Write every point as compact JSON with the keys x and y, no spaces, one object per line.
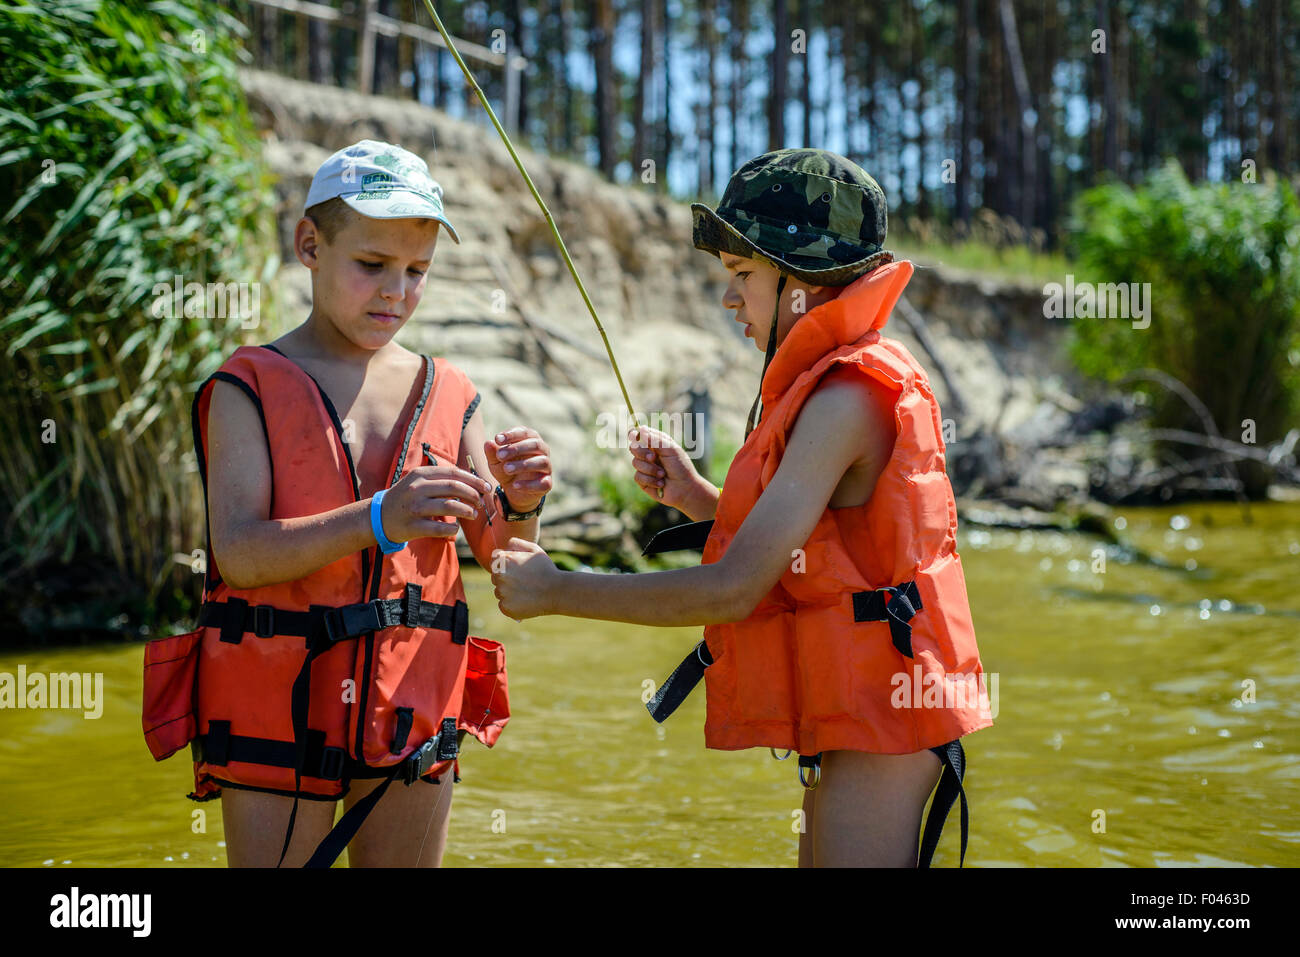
{"x":433,"y":507}
{"x":452,"y":473}
{"x":513,"y":450}
{"x":450,"y":488}
{"x":514,"y":435}
{"x":538,"y":463}
{"x":430,"y":528}
{"x":532,"y":485}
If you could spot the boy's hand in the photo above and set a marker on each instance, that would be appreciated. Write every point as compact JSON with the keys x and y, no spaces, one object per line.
{"x":428,"y":499}
{"x":524,"y":576}
{"x":661,"y":463}
{"x":520,"y":461}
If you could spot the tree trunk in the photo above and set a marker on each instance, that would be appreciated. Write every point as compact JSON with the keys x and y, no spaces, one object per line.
{"x":566,"y":88}
{"x":385,"y":74}
{"x":321,"y":56}
{"x":806,"y":15}
{"x":968,"y":31}
{"x":602,"y":44}
{"x":1109,"y":141}
{"x":514,"y":15}
{"x":645,"y":76}
{"x":708,"y":101}
{"x":739,"y":29}
{"x":780,"y":76}
{"x":1024,"y":102}
{"x":666,"y":140}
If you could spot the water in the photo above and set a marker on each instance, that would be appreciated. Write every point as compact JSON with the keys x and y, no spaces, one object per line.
{"x":1161,"y":696}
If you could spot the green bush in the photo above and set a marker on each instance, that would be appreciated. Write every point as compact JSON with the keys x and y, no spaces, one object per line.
{"x":1223,"y":261}
{"x":128,"y":158}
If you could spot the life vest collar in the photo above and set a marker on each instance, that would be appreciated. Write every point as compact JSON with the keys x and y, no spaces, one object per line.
{"x":862,"y":308}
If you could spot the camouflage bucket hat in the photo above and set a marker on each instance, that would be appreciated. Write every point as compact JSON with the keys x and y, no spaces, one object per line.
{"x":812,"y":213}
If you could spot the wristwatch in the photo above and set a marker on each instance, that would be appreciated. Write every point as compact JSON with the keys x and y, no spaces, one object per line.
{"x":509,"y":512}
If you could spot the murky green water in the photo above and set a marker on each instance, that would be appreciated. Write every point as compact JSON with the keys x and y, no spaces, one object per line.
{"x":1161,"y":697}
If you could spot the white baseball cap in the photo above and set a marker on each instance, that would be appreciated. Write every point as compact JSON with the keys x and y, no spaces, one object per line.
{"x":381,"y":181}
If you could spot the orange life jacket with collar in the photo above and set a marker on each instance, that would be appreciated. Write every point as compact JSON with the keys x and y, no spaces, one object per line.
{"x":816,"y":666}
{"x":866,"y":643}
{"x":360,"y":666}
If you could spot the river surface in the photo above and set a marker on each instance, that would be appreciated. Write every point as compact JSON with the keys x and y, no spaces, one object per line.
{"x":1147,"y":714}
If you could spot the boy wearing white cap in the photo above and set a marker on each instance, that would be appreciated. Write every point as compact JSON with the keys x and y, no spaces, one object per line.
{"x":338,"y":468}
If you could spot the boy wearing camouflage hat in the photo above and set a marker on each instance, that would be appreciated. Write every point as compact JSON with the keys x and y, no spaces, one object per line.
{"x":338,"y":468}
{"x":831,"y":589}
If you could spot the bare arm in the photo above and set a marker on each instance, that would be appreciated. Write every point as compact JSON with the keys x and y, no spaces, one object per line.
{"x":835,"y":428}
{"x":253,"y":550}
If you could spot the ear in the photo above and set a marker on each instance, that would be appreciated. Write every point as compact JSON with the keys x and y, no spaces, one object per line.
{"x":307,"y":241}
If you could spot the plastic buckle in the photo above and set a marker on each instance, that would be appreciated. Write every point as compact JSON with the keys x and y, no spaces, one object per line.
{"x":332,"y":622}
{"x":349,"y":621}
{"x":331,"y":763}
{"x":263,"y":621}
{"x":421,"y":761}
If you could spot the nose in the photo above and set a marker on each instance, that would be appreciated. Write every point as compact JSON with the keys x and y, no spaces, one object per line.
{"x":731,"y":298}
{"x":394,"y":287}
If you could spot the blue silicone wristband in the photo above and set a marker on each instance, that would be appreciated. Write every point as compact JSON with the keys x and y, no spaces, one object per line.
{"x":377,"y":525}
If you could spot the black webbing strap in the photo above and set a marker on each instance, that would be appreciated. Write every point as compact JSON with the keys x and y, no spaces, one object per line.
{"x":300,"y":701}
{"x":755,"y":416}
{"x":220,"y":747}
{"x":948,"y":790}
{"x":235,"y":617}
{"x":689,"y":535}
{"x":441,"y":747}
{"x":680,"y":683}
{"x":905,"y":603}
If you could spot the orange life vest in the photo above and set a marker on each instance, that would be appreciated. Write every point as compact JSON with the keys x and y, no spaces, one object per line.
{"x":818,"y":664}
{"x":866,"y":643}
{"x":362,"y":665}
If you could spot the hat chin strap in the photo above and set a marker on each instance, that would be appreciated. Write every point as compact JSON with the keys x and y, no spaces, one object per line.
{"x":755,"y":416}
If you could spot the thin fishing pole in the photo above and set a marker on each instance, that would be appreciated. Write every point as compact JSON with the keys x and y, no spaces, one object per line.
{"x":550,"y":220}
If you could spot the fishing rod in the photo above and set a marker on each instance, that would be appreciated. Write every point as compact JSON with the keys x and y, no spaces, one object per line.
{"x":550,"y":220}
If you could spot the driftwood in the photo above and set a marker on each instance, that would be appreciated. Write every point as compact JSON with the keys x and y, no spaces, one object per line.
{"x":916,"y":325}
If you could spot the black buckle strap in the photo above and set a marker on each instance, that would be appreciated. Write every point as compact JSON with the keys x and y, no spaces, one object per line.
{"x":949,"y":789}
{"x":333,"y":624}
{"x":264,"y":621}
{"x":350,"y":621}
{"x":899,"y":612}
{"x":219,"y":747}
{"x":675,"y":538}
{"x":680,"y":683}
{"x":232,"y":627}
{"x":441,"y":747}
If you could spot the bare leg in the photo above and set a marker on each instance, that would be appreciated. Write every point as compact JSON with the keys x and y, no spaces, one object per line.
{"x":407,"y":828}
{"x":806,"y":838}
{"x":869,"y":808}
{"x":255,"y":824}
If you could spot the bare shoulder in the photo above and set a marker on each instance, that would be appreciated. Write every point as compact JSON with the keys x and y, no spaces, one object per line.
{"x":852,"y":398}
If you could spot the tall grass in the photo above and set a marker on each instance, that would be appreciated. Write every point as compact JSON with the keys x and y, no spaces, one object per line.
{"x":1223,"y":261}
{"x":127,"y":157}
